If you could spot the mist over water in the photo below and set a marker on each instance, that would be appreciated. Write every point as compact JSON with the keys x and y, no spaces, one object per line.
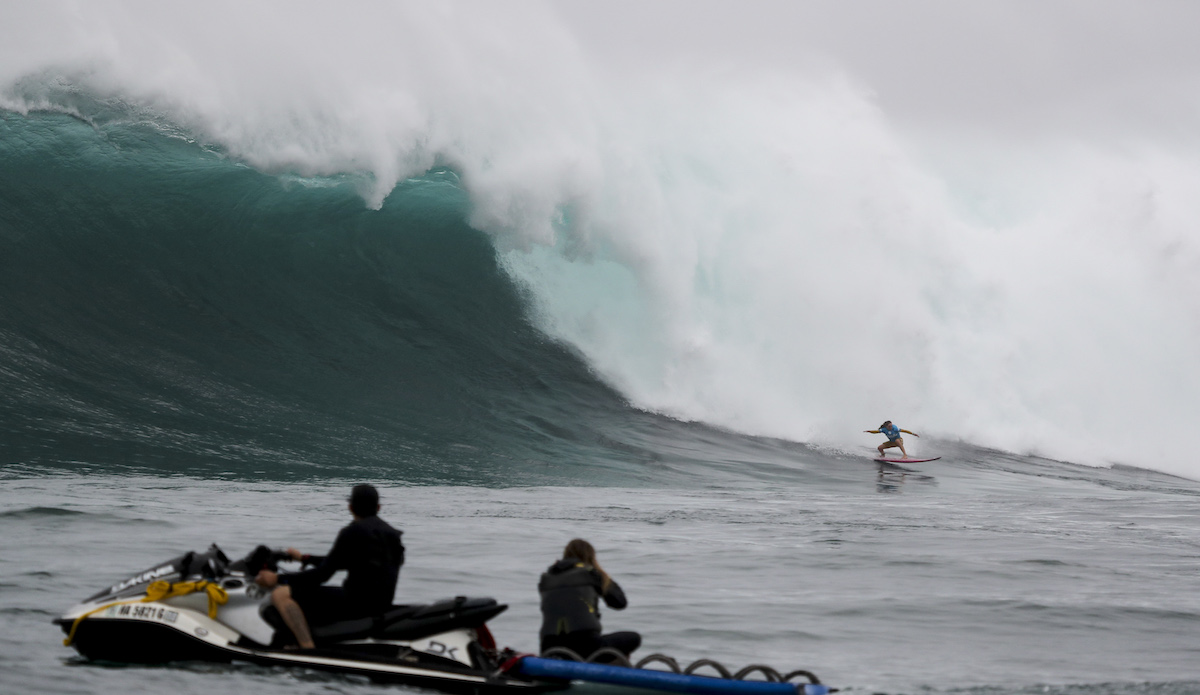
{"x":763,"y":249}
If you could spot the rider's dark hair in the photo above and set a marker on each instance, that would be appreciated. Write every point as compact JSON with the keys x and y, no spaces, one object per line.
{"x":364,"y":500}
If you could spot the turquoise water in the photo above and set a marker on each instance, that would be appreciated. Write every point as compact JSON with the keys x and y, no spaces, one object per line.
{"x":166,"y":308}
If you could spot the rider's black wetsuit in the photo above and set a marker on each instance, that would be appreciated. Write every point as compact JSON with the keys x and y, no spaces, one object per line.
{"x":370,"y":551}
{"x":571,"y":593}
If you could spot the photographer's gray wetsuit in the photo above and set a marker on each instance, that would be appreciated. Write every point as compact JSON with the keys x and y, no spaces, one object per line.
{"x":571,"y":591}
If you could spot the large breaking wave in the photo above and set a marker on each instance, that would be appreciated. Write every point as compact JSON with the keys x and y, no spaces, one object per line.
{"x":165,"y":306}
{"x":763,"y":253}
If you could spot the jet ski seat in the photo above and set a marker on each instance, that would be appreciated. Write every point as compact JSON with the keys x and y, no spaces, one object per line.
{"x":401,"y":622}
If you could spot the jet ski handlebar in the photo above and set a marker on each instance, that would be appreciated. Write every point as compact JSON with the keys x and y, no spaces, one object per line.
{"x":263,"y":558}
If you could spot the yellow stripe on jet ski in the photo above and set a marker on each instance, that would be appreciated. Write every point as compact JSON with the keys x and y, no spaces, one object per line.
{"x":157,"y":591}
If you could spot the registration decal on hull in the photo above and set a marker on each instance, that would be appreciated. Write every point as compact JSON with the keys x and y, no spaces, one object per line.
{"x":142,"y":612}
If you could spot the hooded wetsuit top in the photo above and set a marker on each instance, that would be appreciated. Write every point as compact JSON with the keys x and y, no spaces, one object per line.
{"x":892,"y":433}
{"x":370,"y":551}
{"x":571,"y":591}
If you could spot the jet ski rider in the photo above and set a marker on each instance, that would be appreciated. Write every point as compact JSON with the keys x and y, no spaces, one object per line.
{"x":571,"y":590}
{"x":370,"y":551}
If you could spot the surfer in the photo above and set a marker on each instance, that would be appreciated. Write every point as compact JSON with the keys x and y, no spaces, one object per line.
{"x":892,"y":432}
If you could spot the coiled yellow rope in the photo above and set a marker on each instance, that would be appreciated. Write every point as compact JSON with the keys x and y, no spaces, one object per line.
{"x":160,"y":590}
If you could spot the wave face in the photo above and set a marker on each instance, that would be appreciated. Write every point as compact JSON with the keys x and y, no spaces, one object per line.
{"x":164,"y":306}
{"x":378,"y":226}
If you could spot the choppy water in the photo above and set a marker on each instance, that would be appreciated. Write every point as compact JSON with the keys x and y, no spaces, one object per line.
{"x":982,"y":573}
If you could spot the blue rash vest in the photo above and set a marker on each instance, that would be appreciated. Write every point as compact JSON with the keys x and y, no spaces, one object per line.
{"x":892,"y":433}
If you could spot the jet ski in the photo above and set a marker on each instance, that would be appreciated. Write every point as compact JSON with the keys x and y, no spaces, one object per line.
{"x":203,"y":607}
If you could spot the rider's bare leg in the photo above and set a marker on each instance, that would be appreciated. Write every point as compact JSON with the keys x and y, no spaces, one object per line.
{"x":292,"y":615}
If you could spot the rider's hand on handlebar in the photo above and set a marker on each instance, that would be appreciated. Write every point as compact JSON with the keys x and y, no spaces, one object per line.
{"x":295,"y":554}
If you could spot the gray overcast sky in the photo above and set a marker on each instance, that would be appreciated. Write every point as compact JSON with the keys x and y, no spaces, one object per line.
{"x":1107,"y":67}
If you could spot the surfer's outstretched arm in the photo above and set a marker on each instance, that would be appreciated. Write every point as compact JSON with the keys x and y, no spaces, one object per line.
{"x":912,"y":433}
{"x":871,"y":431}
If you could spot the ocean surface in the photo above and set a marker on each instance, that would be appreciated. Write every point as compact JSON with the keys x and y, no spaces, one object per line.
{"x":662,"y":330}
{"x":983,"y":573}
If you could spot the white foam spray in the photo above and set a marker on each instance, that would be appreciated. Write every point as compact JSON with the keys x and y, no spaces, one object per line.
{"x":764,"y":252}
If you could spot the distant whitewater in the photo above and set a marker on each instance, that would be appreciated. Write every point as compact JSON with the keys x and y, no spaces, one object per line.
{"x":454,"y":250}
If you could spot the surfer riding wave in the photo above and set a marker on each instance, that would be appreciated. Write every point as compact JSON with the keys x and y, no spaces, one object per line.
{"x":892,"y":432}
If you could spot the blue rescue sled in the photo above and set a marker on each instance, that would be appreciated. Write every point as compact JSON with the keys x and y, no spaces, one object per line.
{"x":538,"y":667}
